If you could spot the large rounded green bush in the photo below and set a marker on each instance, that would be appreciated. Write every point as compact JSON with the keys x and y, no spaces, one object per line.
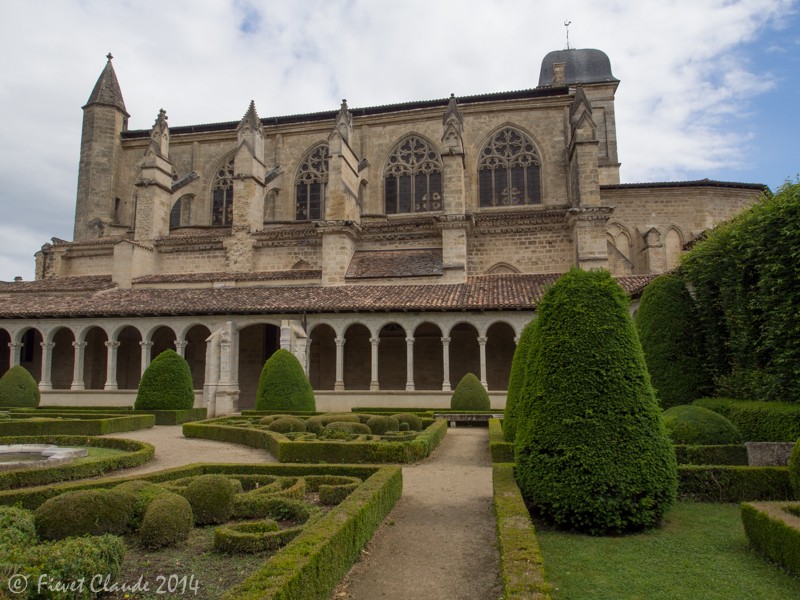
{"x":346,"y":426}
{"x":166,"y":384}
{"x":19,"y":389}
{"x":143,"y":493}
{"x":671,"y":341}
{"x":592,"y":451}
{"x":211,"y":499}
{"x":17,"y":526}
{"x":287,"y":424}
{"x":166,"y":522}
{"x":84,"y":512}
{"x":470,"y":395}
{"x":698,"y":426}
{"x":413,"y":421}
{"x":283,"y":385}
{"x":317,"y":423}
{"x":516,"y":381}
{"x":380,"y":424}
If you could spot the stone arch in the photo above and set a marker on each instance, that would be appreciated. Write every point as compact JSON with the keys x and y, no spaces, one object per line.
{"x":500,"y":268}
{"x":195,"y":352}
{"x":182,"y":212}
{"x":428,"y":358}
{"x":311,"y":182}
{"x":301,"y":265}
{"x":673,"y":246}
{"x":620,"y":236}
{"x":357,"y":357}
{"x":162,"y":337}
{"x":221,"y":192}
{"x":129,"y":357}
{"x":62,"y":358}
{"x":500,"y":348}
{"x":95,"y":358}
{"x":392,"y":368}
{"x":322,"y":357}
{"x":464,"y":352}
{"x":5,"y":351}
{"x":257,"y":342}
{"x":30,"y":353}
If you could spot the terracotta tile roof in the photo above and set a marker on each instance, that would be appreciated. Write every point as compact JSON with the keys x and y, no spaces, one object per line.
{"x":485,"y":292}
{"x":89,"y":283}
{"x":395,"y":263}
{"x":292,"y":275}
{"x":681,"y":184}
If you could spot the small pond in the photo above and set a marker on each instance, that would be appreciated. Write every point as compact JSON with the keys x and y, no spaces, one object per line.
{"x":25,"y":456}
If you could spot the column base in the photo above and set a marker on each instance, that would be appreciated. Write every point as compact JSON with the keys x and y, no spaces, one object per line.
{"x":374,"y":386}
{"x":77,"y":386}
{"x":338,"y":386}
{"x":110,"y":386}
{"x":45,"y":386}
{"x":446,"y":387}
{"x":409,"y":387}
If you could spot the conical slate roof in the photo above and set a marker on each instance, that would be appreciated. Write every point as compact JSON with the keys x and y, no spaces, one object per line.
{"x":106,"y":91}
{"x":580,"y":66}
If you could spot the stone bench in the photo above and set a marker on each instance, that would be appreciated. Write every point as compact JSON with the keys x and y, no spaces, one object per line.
{"x":455,"y":418}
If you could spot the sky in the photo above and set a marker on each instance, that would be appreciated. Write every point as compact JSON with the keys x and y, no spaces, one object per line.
{"x":708,"y":87}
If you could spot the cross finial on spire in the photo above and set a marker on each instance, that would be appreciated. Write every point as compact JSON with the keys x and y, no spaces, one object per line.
{"x":109,"y":56}
{"x":567,"y":24}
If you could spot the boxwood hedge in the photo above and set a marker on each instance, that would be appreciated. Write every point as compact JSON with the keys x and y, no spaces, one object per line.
{"x":773,"y":529}
{"x":758,"y":421}
{"x":73,"y":423}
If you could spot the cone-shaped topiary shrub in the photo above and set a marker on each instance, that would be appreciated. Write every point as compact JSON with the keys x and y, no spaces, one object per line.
{"x":166,"y":384}
{"x":18,"y":388}
{"x":592,"y":451}
{"x":516,"y":381}
{"x":470,"y":395}
{"x":166,"y":522}
{"x":283,"y":385}
{"x":698,"y":426}
{"x":671,"y":341}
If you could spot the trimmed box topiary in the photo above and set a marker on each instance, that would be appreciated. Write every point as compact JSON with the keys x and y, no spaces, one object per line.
{"x":671,"y":341}
{"x":283,"y":385}
{"x":380,"y":424}
{"x":166,"y":522}
{"x":287,"y":424}
{"x":19,"y":389}
{"x":413,"y":421}
{"x":17,"y":526}
{"x":84,"y":512}
{"x":347,"y":427}
{"x":516,"y":380}
{"x":698,"y":426}
{"x":211,"y":499}
{"x":470,"y":395}
{"x":143,"y":492}
{"x":166,"y":384}
{"x":591,"y":449}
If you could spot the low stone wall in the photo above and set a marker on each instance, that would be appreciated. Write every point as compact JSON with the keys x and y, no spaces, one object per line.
{"x":768,"y":454}
{"x":110,"y":398}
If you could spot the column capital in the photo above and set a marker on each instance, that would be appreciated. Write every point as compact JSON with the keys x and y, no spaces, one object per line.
{"x":143,"y":344}
{"x":374,"y":341}
{"x":482,"y":339}
{"x":340,"y":341}
{"x":80,"y":345}
{"x":180,"y":343}
{"x":445,"y":340}
{"x":409,"y":340}
{"x":47,"y":345}
{"x":113,"y":345}
{"x":14,"y":345}
{"x":516,"y":340}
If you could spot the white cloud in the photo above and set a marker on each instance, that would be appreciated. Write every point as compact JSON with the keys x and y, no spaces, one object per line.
{"x":687,"y":85}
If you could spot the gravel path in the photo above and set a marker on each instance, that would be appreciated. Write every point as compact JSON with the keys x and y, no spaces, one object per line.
{"x":174,"y":450}
{"x":439,"y":541}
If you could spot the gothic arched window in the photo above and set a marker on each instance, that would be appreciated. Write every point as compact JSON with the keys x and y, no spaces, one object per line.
{"x":412,"y":180}
{"x":181,"y":213}
{"x":312,"y":179}
{"x":509,"y":171}
{"x":222,"y":196}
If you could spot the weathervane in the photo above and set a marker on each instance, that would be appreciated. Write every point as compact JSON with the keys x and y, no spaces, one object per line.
{"x":567,"y":24}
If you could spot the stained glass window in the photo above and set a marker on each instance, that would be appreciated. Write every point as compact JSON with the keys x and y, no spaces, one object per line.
{"x":509,"y":171}
{"x":413,"y":178}
{"x":222,"y":196}
{"x":312,"y":179}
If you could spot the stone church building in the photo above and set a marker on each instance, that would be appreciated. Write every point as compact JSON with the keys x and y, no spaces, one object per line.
{"x":391,"y":248}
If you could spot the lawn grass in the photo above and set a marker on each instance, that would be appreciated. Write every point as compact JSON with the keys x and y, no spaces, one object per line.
{"x":700,"y":553}
{"x":97,"y":454}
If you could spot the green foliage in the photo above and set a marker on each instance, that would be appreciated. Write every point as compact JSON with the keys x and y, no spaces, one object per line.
{"x":516,"y":380}
{"x":283,"y":385}
{"x":166,"y":384}
{"x":501,"y":450}
{"x":211,"y":499}
{"x":73,"y":423}
{"x":287,"y":424}
{"x":592,"y":452}
{"x":346,"y":426}
{"x":84,"y":512}
{"x":521,"y":564}
{"x":16,"y":527}
{"x":470,"y":395}
{"x":380,"y":424}
{"x":734,"y":454}
{"x":794,"y":469}
{"x":695,"y":425}
{"x":18,"y":388}
{"x":143,"y":492}
{"x":758,"y":421}
{"x":167,"y":521}
{"x":318,"y":423}
{"x":745,"y":282}
{"x":733,"y":483}
{"x":774,"y":531}
{"x":671,"y":341}
{"x":413,"y":421}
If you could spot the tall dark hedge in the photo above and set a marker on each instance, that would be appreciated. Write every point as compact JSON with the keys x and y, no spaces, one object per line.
{"x":283,"y":385}
{"x":671,"y":341}
{"x":592,"y":452}
{"x":516,"y":380}
{"x":18,"y":388}
{"x":747,"y":288}
{"x":166,"y":384}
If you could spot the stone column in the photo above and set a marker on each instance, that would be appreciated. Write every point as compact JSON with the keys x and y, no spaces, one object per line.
{"x":180,"y":347}
{"x":339,"y":385}
{"x":409,"y":364}
{"x":482,"y":341}
{"x":77,"y":370}
{"x":14,"y":348}
{"x":147,"y":348}
{"x":445,"y":364}
{"x":374,"y":384}
{"x":111,"y":365}
{"x":47,"y":366}
{"x":308,"y":356}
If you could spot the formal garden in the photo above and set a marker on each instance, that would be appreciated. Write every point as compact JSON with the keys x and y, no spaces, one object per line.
{"x":646,"y":456}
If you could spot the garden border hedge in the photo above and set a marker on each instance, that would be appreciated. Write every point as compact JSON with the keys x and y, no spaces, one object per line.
{"x":729,"y":455}
{"x":758,"y":421}
{"x":774,"y":532}
{"x":521,"y":564}
{"x":140,"y":453}
{"x":286,"y":450}
{"x":163,"y":417}
{"x":75,"y":423}
{"x":501,"y":450}
{"x":733,"y":483}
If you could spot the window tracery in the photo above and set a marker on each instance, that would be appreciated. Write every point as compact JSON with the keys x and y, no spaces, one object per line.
{"x":413,"y":178}
{"x":509,"y":171}
{"x":222,"y":196}
{"x":312,"y":180}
